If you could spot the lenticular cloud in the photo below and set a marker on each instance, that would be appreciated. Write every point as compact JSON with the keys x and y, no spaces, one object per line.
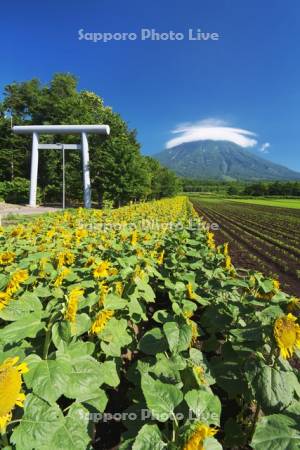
{"x":211,"y":129}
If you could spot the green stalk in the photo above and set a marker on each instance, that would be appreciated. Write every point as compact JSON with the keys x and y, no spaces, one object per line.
{"x":175,"y":427}
{"x":47,"y":341}
{"x":255,"y":419}
{"x":258,"y":409}
{"x":5,"y":439}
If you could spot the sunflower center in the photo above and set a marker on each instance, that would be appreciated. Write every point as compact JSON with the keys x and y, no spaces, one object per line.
{"x":10,"y":386}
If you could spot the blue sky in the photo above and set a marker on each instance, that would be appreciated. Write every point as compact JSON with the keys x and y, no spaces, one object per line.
{"x":249,"y":79}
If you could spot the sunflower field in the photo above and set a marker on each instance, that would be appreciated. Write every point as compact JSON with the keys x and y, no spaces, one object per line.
{"x":131,"y":329}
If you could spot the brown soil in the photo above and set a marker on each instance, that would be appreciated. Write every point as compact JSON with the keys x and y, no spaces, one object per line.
{"x":245,"y":256}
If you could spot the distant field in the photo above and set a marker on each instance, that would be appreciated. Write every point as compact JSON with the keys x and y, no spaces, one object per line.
{"x":279,"y":202}
{"x":262,"y":236}
{"x":282,"y":203}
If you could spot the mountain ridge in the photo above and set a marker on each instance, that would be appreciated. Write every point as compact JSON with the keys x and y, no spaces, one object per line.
{"x":222,"y":160}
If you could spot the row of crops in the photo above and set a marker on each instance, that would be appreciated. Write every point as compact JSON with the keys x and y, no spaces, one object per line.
{"x":132,"y":327}
{"x":265,"y":237}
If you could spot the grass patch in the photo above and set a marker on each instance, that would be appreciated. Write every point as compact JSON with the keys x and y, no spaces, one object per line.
{"x":293,"y":203}
{"x":282,"y":202}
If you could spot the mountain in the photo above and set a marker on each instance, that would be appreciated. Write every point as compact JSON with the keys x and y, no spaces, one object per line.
{"x":221,"y":160}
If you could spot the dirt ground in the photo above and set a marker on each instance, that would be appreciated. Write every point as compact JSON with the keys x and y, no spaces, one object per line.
{"x":8,"y":208}
{"x":241,"y":255}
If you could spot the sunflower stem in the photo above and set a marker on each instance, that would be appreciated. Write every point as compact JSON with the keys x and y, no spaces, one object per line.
{"x":175,"y":427}
{"x":257,"y":409}
{"x":5,"y":440}
{"x":47,"y":341}
{"x":255,"y":419}
{"x":67,"y":408}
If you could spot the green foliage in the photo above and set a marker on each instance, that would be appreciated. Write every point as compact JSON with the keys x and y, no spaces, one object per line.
{"x":161,"y":398}
{"x":288,"y":189}
{"x":149,"y":438}
{"x":243,"y":188}
{"x":164,"y":183}
{"x":16,"y":191}
{"x":276,"y":432}
{"x":45,"y":427}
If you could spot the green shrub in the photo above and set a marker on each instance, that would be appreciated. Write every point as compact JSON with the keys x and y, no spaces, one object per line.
{"x":52,"y":193}
{"x":17,"y":191}
{"x":3,"y":189}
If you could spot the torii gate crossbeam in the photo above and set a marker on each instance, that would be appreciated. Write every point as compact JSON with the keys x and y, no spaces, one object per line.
{"x":83,"y":130}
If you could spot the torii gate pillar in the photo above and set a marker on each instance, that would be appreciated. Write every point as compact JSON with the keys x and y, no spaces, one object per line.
{"x":34,"y":169}
{"x":87,"y":196}
{"x":35,"y":130}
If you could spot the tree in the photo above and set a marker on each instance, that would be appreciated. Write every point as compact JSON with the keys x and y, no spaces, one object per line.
{"x":255,"y":189}
{"x":233,"y":190}
{"x":164,"y":182}
{"x":118,"y":170}
{"x":153,"y":168}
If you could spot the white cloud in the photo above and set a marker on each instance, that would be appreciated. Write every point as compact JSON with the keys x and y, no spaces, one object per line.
{"x":211,"y":129}
{"x":264,"y":147}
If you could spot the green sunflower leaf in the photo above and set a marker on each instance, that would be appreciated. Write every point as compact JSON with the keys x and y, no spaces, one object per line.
{"x":161,"y":398}
{"x":149,"y":438}
{"x":276,"y":432}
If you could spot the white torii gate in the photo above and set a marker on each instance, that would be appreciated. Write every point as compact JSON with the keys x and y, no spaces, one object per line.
{"x":36,"y":130}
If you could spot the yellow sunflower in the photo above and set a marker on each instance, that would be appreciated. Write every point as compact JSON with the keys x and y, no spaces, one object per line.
{"x":195,"y":333}
{"x":160,"y":258}
{"x":10,"y":389}
{"x":42,"y":267}
{"x":103,"y":292}
{"x":134,"y":238}
{"x":294,"y":304}
{"x":101,"y":270}
{"x":198,"y":436}
{"x":228,"y":263}
{"x":190,"y":292}
{"x":64,"y":259}
{"x":287,"y":335}
{"x":61,"y":276}
{"x":90,"y":261}
{"x":7,"y":258}
{"x":225,"y":251}
{"x":4,"y":299}
{"x":138,"y":273}
{"x":4,"y":421}
{"x":72,"y":305}
{"x":81,"y":233}
{"x":193,"y":325}
{"x":199,"y":373}
{"x":18,"y":231}
{"x":19,"y":277}
{"x":210,"y":240}
{"x":101,"y":321}
{"x":119,"y":288}
{"x":188,"y":314}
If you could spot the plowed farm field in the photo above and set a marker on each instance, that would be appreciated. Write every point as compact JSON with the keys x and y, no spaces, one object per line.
{"x":260,"y":237}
